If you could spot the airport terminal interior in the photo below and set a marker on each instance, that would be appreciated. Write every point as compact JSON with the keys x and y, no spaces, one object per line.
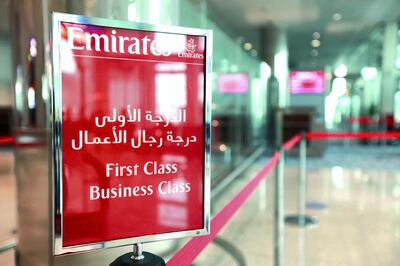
{"x":293,"y":113}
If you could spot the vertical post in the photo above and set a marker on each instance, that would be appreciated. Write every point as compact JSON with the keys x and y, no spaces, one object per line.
{"x":137,"y":252}
{"x":301,"y":219}
{"x":138,"y":258}
{"x":278,"y":213}
{"x":301,"y":201}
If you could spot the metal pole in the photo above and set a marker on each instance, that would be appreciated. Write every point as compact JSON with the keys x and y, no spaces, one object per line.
{"x":301,"y":219}
{"x":279,"y":209}
{"x":302,"y":179}
{"x":137,"y":252}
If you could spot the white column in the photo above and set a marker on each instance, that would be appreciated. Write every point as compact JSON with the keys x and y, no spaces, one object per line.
{"x":390,"y":41}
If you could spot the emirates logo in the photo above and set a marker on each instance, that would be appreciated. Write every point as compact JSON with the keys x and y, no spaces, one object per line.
{"x":191,"y":46}
{"x":191,"y":51}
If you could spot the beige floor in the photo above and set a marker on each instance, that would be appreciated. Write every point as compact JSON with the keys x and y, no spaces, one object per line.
{"x":360,"y":225}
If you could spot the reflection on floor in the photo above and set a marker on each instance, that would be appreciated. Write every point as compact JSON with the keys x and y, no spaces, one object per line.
{"x":353,"y":191}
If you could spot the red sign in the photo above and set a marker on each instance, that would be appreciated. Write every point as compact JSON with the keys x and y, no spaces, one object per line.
{"x":133,"y":133}
{"x":233,"y":83}
{"x":307,"y":82}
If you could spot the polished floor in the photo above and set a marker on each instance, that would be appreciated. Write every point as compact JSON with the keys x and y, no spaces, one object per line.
{"x":353,"y":191}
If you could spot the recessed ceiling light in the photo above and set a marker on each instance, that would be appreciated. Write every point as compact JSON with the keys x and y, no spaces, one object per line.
{"x":215,"y":123}
{"x":222,"y":147}
{"x":240,"y":39}
{"x":316,"y":35}
{"x":253,"y":52}
{"x":247,"y":46}
{"x":337,"y":16}
{"x":315,"y":43}
{"x":314,"y":52}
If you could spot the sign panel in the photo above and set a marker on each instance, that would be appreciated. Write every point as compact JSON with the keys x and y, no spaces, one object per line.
{"x":307,"y":82}
{"x":233,"y":83}
{"x":130,"y":132}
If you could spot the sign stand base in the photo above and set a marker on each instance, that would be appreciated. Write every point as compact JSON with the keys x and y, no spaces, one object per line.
{"x":138,"y":258}
{"x":301,"y":220}
{"x":149,"y":259}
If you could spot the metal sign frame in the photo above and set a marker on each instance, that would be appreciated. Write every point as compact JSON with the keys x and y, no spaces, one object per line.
{"x":56,"y":199}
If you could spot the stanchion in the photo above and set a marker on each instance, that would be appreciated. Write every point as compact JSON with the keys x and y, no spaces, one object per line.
{"x":138,"y":258}
{"x":278,"y":210}
{"x":301,"y":219}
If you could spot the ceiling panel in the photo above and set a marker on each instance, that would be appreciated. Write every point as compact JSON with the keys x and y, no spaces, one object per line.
{"x":300,"y":18}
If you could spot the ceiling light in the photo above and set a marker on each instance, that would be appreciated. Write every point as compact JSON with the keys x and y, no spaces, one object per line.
{"x":247,"y":46}
{"x":315,"y":43}
{"x":337,"y":16}
{"x":253,"y":52}
{"x":314,"y":52}
{"x":316,"y":35}
{"x":240,"y":39}
{"x":222,"y":147}
{"x":341,"y":71}
{"x":215,"y":123}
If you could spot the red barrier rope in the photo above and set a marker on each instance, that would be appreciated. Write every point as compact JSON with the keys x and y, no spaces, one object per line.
{"x":362,"y":120}
{"x":187,"y":254}
{"x":353,"y":135}
{"x":292,"y":142}
{"x":30,"y":144}
{"x":6,"y":140}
